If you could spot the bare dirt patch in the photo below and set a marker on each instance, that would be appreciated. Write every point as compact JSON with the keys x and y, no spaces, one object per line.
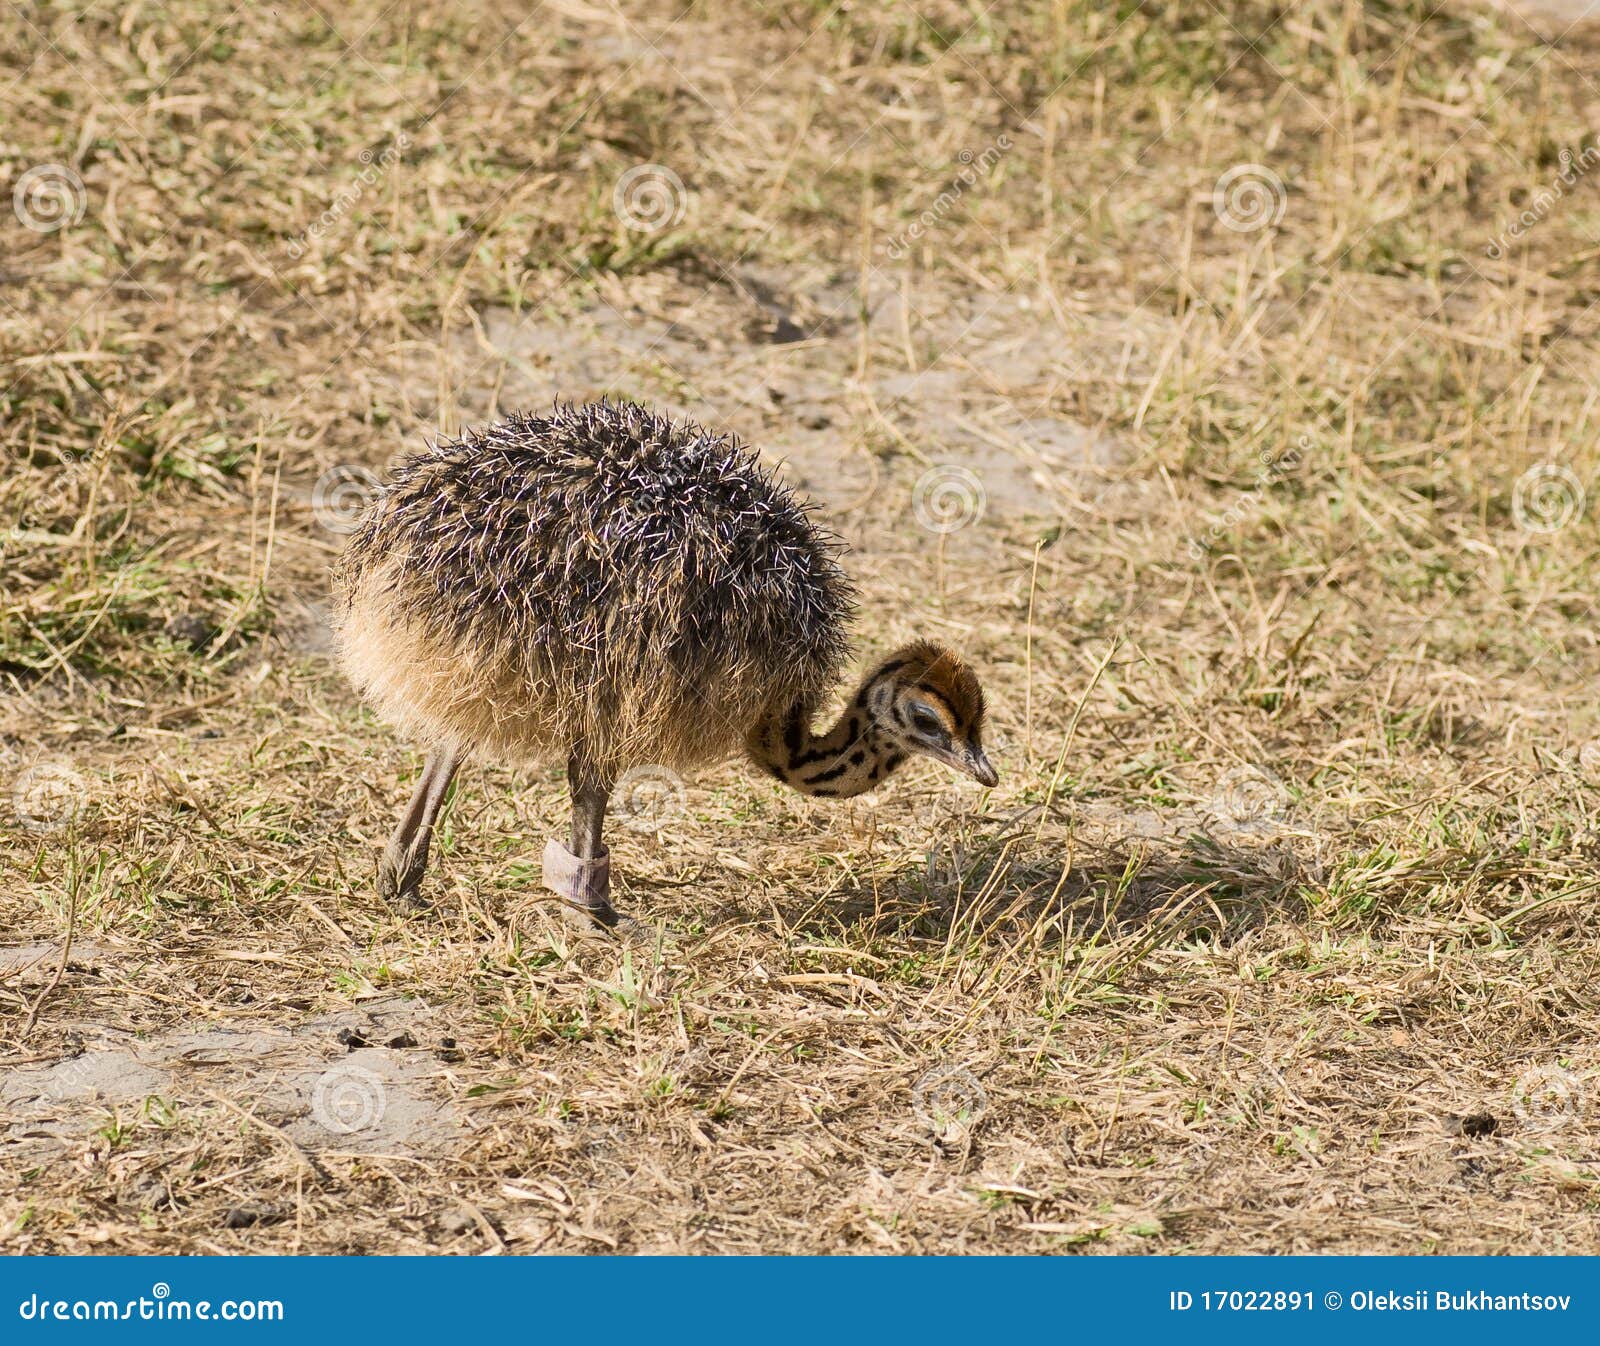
{"x":362,"y":1080}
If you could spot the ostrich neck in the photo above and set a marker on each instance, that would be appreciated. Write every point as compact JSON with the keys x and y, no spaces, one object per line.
{"x":848,"y":758}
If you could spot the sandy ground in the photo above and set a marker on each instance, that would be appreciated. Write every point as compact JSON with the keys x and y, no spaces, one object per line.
{"x":1277,"y":934}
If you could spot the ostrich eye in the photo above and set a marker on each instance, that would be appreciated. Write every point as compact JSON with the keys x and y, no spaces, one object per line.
{"x":926,"y":723}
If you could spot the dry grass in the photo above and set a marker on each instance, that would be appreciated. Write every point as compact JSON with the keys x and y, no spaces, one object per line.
{"x":1277,"y":934}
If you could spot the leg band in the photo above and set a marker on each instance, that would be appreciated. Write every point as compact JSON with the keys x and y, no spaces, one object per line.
{"x":585,"y":882}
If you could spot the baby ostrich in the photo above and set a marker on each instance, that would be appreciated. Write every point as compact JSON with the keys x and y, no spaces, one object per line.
{"x":604,"y":586}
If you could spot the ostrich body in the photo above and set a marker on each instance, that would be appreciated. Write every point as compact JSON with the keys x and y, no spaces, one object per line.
{"x":603,"y":586}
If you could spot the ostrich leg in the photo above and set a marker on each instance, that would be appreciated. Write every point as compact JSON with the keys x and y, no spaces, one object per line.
{"x":582,"y":875}
{"x":406,"y":856}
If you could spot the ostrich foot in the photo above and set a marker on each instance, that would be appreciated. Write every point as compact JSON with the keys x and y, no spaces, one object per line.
{"x":582,"y":884}
{"x":400,"y":877}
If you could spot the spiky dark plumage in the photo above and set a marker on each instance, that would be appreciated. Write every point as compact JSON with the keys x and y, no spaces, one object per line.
{"x":598,"y":577}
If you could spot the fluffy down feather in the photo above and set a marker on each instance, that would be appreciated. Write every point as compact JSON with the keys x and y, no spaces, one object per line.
{"x":598,"y":579}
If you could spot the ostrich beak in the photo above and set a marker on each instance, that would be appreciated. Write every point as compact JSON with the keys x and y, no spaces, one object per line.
{"x":977,"y":766}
